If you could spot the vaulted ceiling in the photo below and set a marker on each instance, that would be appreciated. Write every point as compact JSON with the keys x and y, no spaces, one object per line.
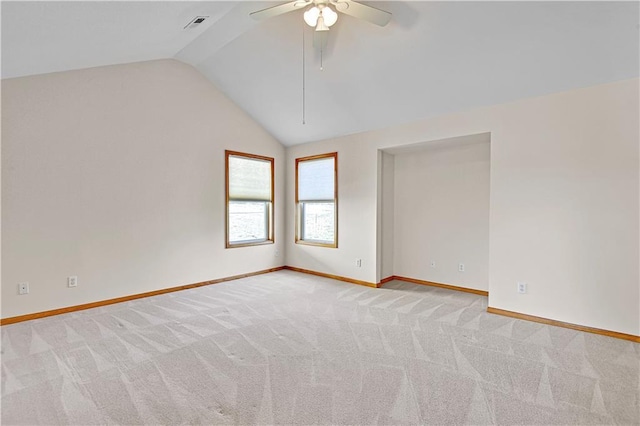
{"x":433,"y":58}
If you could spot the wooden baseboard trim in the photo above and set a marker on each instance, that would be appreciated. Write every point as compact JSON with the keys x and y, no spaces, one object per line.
{"x":447,"y":286}
{"x":334,"y":277}
{"x":386,"y":280}
{"x":28,"y":317}
{"x":547,"y":321}
{"x":21,"y":318}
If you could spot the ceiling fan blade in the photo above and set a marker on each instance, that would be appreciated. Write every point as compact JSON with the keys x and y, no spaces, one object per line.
{"x":278,"y":10}
{"x":320,"y":39}
{"x":362,"y":11}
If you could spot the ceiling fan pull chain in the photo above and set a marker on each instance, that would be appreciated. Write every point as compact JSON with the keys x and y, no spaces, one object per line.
{"x":321,"y":67}
{"x":303,"y":78}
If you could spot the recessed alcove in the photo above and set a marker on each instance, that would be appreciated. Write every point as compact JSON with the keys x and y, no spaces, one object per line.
{"x":433,"y":204}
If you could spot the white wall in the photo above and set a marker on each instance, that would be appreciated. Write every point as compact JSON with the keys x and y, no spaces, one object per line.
{"x":357,"y":194}
{"x":564,"y":207}
{"x":386,"y":215}
{"x":441,"y":203}
{"x":563,"y":204}
{"x":116,"y":175}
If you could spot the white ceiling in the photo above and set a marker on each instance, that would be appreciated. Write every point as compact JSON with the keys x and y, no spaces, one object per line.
{"x":42,"y":36}
{"x":433,"y":58}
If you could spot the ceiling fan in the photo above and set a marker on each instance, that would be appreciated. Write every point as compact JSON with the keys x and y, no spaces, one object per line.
{"x":320,"y":14}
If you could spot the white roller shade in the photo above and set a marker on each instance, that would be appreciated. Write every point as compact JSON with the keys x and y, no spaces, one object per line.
{"x":316,"y":179}
{"x":249,"y":179}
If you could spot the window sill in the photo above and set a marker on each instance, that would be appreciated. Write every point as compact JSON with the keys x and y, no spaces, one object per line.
{"x":249,"y":244}
{"x":317,"y":244}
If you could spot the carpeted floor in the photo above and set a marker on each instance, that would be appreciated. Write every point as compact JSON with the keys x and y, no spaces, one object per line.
{"x":290,"y":348}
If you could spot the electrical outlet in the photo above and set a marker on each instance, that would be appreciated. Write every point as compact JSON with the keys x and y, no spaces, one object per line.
{"x":522,"y":287}
{"x":359,"y":263}
{"x":72,"y":281}
{"x":433,"y":263}
{"x":23,"y":288}
{"x":277,"y":253}
{"x":461,"y":267}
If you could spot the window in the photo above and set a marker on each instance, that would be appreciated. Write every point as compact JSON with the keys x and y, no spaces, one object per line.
{"x":249,"y":199}
{"x":317,"y":200}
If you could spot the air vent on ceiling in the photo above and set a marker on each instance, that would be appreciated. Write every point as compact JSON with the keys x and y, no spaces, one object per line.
{"x":195,"y":22}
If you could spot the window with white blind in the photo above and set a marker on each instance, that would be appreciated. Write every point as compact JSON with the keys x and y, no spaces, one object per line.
{"x":249,"y":199}
{"x":317,"y":200}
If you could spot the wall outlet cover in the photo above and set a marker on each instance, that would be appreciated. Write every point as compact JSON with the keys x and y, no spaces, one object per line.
{"x":23,"y":288}
{"x":72,"y":281}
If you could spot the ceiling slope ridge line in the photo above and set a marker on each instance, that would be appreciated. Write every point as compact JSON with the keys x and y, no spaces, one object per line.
{"x":224,"y":30}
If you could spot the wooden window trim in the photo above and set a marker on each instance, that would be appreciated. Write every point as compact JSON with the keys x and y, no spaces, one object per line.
{"x":298,"y":237}
{"x":270,"y":220}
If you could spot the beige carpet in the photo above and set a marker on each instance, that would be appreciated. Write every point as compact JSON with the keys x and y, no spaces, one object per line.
{"x":289,"y":348}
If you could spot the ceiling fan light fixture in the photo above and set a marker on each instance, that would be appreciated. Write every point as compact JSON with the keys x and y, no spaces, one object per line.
{"x":321,"y":25}
{"x":329,"y":16}
{"x":321,"y":17}
{"x":311,"y":16}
